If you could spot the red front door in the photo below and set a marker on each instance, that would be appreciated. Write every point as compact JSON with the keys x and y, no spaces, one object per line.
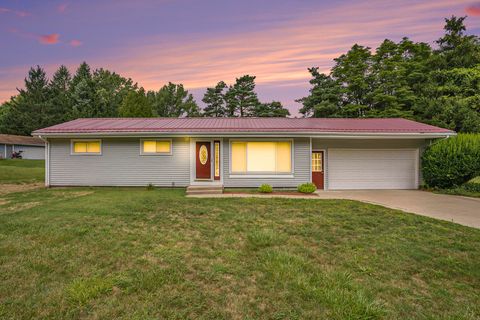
{"x":202,"y":156}
{"x":317,"y":169}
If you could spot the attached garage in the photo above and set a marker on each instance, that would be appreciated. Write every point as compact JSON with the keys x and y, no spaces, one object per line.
{"x":372,"y":168}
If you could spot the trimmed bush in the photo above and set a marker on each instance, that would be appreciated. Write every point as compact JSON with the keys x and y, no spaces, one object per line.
{"x":451,"y":162}
{"x":265,"y":188}
{"x":473,"y":184}
{"x":307,"y":188}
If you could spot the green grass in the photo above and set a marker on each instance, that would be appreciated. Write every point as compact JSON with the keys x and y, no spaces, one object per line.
{"x":22,"y":171}
{"x":460,"y":191}
{"x":132,"y":253}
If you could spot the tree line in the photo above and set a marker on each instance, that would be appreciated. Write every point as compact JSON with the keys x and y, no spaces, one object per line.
{"x":399,"y":79}
{"x":406,"y":79}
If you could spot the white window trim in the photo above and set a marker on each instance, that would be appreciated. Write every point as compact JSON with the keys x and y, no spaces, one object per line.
{"x":156,"y":153}
{"x":72,"y":153}
{"x":259,"y":174}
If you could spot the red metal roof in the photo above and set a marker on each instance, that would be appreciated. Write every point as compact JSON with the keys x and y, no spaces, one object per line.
{"x":236,"y":125}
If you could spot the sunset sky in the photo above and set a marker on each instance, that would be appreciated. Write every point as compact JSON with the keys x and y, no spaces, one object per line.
{"x":199,"y":43}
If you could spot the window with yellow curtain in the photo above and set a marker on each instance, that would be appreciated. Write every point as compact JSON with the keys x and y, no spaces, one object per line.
{"x":156,"y":147}
{"x":87,"y":146}
{"x":261,"y":157}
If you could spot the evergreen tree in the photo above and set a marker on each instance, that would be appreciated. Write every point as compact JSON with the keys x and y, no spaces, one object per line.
{"x":241,"y":97}
{"x":456,"y":49}
{"x":27,"y":110}
{"x":110,"y":90}
{"x":173,"y":100}
{"x":214,"y":98}
{"x":83,"y":94}
{"x":404,"y":79}
{"x":59,"y":96}
{"x":136,"y":105}
{"x":271,"y":109}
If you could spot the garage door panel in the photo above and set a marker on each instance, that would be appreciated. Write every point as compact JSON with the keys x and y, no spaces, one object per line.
{"x":372,"y":169}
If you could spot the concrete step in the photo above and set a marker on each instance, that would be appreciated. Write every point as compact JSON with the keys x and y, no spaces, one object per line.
{"x":204,"y":189}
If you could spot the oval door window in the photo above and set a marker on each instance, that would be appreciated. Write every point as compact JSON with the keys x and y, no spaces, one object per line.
{"x":203,"y":155}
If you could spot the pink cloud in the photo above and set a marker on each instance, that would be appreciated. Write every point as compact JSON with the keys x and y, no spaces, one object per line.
{"x":75,"y":43}
{"x":62,"y":7}
{"x":473,"y":10}
{"x":18,"y":13}
{"x":49,"y":38}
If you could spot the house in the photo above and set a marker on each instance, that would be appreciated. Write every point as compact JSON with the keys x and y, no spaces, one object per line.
{"x":238,"y":152}
{"x":31,"y":147}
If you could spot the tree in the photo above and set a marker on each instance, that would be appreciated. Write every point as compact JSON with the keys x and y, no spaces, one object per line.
{"x":241,"y":97}
{"x":172,"y":100}
{"x":136,"y":105}
{"x":26,"y":112}
{"x":214,"y":98}
{"x":110,"y":90}
{"x":324,"y":98}
{"x":456,"y":49}
{"x":82,"y":92}
{"x":60,"y":105}
{"x":271,"y":109}
{"x":404,"y":79}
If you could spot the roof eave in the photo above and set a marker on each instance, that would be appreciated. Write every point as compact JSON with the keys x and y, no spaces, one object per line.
{"x":342,"y":135}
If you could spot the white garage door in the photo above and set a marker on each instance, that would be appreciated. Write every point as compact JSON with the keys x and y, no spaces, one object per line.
{"x":372,"y":169}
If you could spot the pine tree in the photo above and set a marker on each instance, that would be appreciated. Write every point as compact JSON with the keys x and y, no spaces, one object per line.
{"x":242,"y":98}
{"x":214,"y":98}
{"x":83,"y":94}
{"x":271,"y":109}
{"x":136,"y":105}
{"x":59,"y":96}
{"x":173,"y":100}
{"x":28,"y":110}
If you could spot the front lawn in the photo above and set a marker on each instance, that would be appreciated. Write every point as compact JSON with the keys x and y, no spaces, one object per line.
{"x":130,"y":253}
{"x":22,"y":171}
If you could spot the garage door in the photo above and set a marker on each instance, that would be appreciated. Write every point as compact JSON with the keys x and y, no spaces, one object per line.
{"x":372,"y":169}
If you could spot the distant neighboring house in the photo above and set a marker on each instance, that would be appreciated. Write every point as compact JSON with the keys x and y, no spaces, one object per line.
{"x":238,"y":152}
{"x":31,"y":147}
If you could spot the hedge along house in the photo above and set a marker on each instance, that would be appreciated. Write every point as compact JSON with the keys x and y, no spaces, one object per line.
{"x":238,"y":152}
{"x":30,"y":147}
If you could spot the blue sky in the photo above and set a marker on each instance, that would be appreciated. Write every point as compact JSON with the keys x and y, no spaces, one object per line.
{"x":199,"y":43}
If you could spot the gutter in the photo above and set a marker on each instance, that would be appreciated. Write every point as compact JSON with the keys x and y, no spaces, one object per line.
{"x":325,"y":135}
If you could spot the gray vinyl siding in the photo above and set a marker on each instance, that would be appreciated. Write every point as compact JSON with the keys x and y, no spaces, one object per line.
{"x":326,"y":144}
{"x":31,"y":152}
{"x":301,"y":172}
{"x":120,"y":164}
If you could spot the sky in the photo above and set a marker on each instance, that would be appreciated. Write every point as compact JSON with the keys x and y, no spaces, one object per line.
{"x":201,"y":42}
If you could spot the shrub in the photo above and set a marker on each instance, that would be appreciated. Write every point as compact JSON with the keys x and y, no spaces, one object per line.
{"x":450,"y":162}
{"x":473,"y":184}
{"x":265,"y":188}
{"x":307,"y":188}
{"x":150,"y":187}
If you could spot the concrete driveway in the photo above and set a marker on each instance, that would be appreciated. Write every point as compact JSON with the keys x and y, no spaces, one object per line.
{"x":462,"y":210}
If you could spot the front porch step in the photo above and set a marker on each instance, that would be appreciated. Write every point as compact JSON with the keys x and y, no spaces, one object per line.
{"x":204,"y":190}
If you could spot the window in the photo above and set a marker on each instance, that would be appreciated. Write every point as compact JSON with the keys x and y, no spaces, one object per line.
{"x":317,"y":165}
{"x":86,"y":147}
{"x":156,"y":147}
{"x":217,"y":160}
{"x":262,"y":157}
